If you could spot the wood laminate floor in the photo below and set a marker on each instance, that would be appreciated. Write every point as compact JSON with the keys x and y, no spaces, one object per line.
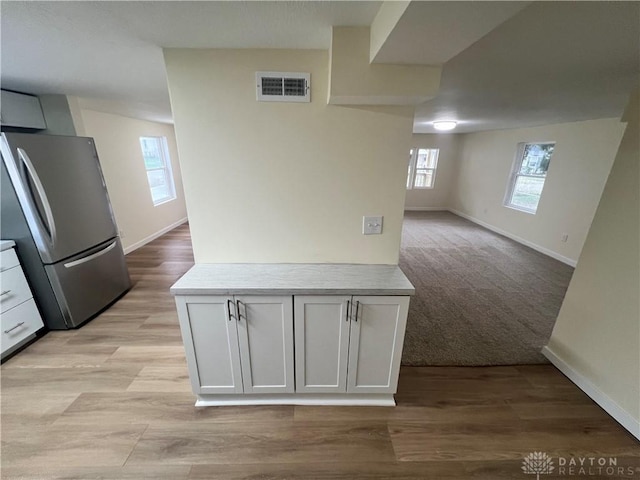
{"x":112,"y":401}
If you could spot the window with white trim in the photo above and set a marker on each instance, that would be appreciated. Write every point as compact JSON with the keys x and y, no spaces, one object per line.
{"x":158,"y":165}
{"x":423,"y":163}
{"x":528,"y":176}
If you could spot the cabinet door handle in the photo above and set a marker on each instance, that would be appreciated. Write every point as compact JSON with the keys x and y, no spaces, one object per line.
{"x":357,"y":308}
{"x":14,"y":327}
{"x":229,"y":302}
{"x":6,"y":292}
{"x":239,"y":304}
{"x":348,"y":305}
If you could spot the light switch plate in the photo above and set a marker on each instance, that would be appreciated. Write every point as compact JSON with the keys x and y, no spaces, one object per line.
{"x":372,"y":225}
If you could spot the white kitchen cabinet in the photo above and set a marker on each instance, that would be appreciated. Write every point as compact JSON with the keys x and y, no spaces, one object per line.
{"x":211,"y":343}
{"x":349,"y":344}
{"x":20,"y":319}
{"x":375,"y":344}
{"x":241,"y":344}
{"x":322,"y":324}
{"x":20,"y":110}
{"x":243,"y":325}
{"x":265,"y":337}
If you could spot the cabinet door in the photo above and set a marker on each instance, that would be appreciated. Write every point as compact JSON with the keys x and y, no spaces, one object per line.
{"x":375,"y":345}
{"x":211,"y":343}
{"x":265,"y":335}
{"x":322,"y":343}
{"x":19,"y":110}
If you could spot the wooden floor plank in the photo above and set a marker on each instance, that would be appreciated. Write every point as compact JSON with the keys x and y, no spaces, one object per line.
{"x":69,"y":445}
{"x":19,"y":412}
{"x":149,"y":355}
{"x":510,"y":440}
{"x":52,"y":356}
{"x":68,"y":379}
{"x":263,"y":443}
{"x":162,"y":408}
{"x":161,"y":379}
{"x":95,"y":473}
{"x":481,"y":414}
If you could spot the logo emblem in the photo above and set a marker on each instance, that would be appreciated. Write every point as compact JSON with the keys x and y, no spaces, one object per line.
{"x":537,"y":463}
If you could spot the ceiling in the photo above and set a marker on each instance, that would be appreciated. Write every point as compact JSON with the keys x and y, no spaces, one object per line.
{"x":505,"y":64}
{"x":430,"y":33}
{"x":110,"y":55}
{"x":552,"y":62}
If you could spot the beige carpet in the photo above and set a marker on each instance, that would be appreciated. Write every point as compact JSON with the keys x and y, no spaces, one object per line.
{"x":481,"y":298}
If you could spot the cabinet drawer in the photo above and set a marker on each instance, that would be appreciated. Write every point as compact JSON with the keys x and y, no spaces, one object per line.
{"x":8,"y":259}
{"x":18,"y":323}
{"x":14,"y":289}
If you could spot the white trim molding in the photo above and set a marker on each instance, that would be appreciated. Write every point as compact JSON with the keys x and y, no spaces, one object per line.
{"x":345,"y":399}
{"x":538,"y":248}
{"x":152,"y":237}
{"x":618,"y":413}
{"x":426,"y":209}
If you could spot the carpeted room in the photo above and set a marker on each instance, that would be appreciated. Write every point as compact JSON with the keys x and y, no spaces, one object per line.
{"x":491,"y":296}
{"x":481,"y":298}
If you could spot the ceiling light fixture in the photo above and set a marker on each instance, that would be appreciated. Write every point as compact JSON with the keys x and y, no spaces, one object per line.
{"x":443,"y":126}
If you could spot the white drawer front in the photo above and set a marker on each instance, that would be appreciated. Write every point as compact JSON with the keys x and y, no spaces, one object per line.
{"x":8,"y":259}
{"x":14,"y":289}
{"x":18,"y":323}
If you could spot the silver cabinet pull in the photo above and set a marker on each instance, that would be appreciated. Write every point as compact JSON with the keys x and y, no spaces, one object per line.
{"x":6,"y":292}
{"x":14,"y":327}
{"x":348,"y":305}
{"x":229,"y":302}
{"x":357,"y":308}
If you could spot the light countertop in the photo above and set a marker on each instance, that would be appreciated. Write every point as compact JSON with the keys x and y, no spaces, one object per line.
{"x":6,"y":245}
{"x":293,"y":279}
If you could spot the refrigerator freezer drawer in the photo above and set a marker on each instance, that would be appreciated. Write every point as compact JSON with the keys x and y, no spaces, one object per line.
{"x":15,"y":288}
{"x":86,"y":284}
{"x":19,"y":323}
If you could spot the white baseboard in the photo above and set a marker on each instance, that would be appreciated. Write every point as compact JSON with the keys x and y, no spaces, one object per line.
{"x":516,"y":238}
{"x":150,"y":238}
{"x":623,"y":417}
{"x":425,"y":209}
{"x":345,"y":399}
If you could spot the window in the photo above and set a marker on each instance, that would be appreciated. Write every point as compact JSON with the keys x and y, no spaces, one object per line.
{"x":158,"y":166}
{"x":529,"y":173}
{"x":422,"y":167}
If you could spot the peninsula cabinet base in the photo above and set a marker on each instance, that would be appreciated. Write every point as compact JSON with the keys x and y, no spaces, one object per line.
{"x":293,"y":334}
{"x":350,"y":399}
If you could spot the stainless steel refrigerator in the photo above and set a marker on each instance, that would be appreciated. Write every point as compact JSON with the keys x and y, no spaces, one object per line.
{"x":56,"y":208}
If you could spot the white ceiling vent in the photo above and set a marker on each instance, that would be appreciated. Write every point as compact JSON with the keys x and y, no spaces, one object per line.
{"x":283,"y":87}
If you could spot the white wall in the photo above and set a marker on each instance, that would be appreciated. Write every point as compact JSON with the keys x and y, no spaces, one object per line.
{"x":581,"y":161}
{"x":284,"y":182}
{"x":596,"y":338}
{"x":118,"y":145}
{"x":438,"y":197}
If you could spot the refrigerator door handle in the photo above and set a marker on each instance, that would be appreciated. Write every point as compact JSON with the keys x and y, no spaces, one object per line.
{"x":91,"y":257}
{"x":51,"y":224}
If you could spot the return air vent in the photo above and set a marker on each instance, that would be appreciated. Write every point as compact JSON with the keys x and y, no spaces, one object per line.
{"x":283,"y":87}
